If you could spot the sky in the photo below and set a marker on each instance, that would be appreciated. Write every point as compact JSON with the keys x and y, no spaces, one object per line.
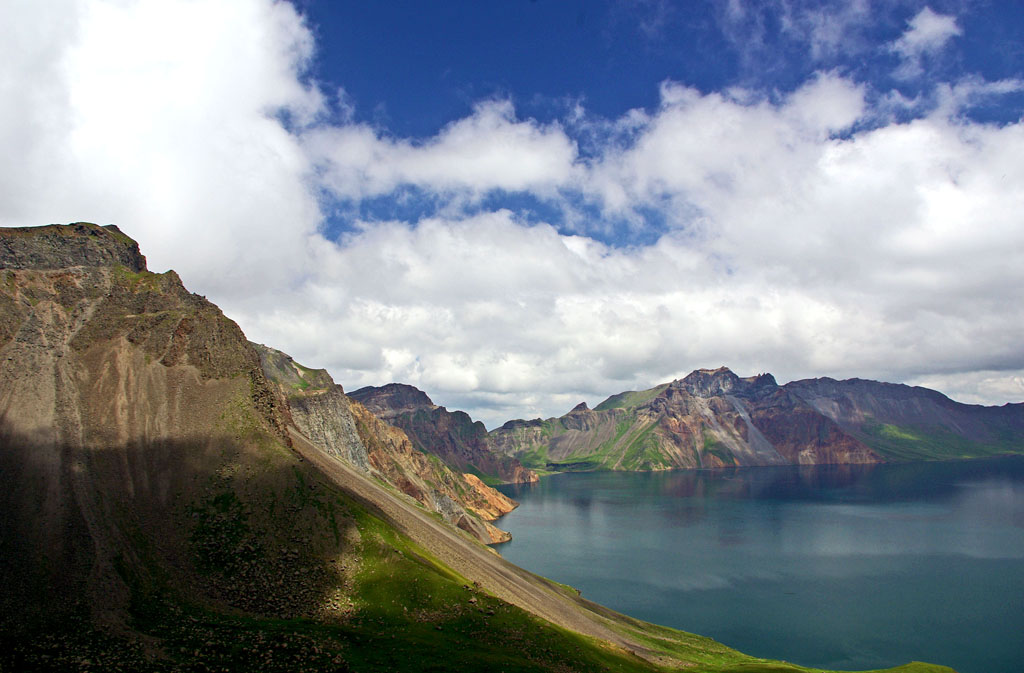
{"x":524,"y":204}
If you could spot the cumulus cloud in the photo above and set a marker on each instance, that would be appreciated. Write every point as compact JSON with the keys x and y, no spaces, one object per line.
{"x":800,"y":232}
{"x":488,"y":150}
{"x":927,"y":33}
{"x":163,"y":117}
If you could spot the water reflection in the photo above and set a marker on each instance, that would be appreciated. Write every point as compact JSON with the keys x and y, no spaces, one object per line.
{"x":815,"y":483}
{"x":839,"y":566}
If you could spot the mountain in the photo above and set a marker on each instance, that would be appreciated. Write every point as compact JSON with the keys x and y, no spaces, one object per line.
{"x":714,"y":418}
{"x":912,"y":423}
{"x":163,"y":509}
{"x":345,"y":428}
{"x":451,"y":435}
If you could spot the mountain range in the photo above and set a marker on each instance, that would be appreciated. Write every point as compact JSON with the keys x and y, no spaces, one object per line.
{"x":714,"y":418}
{"x":174,"y":497}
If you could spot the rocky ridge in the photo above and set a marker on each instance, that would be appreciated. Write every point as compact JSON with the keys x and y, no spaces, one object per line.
{"x":913,"y":423}
{"x":109,"y":377}
{"x":710,"y":418}
{"x":343,"y":427}
{"x":452,"y":436}
{"x":714,"y":418}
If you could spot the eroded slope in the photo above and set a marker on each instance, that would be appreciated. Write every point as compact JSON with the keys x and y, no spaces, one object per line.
{"x":343,"y":427}
{"x":452,"y":436}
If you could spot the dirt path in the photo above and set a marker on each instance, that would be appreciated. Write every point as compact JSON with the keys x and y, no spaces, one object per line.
{"x":472,"y":560}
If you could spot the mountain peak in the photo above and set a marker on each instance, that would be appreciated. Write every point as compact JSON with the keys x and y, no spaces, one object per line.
{"x":582,"y":406}
{"x":722,"y":381}
{"x":57,"y":246}
{"x":764,"y":380}
{"x":709,"y":382}
{"x":392,"y":397}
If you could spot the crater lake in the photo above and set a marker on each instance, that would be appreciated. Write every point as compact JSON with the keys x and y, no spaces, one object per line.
{"x":843,"y":567}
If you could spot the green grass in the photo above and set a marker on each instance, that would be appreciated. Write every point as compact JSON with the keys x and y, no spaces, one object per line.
{"x":903,"y":443}
{"x":635,"y":456}
{"x":535,"y":458}
{"x":145,"y":281}
{"x":715,"y":448}
{"x":488,"y":479}
{"x":630,"y":399}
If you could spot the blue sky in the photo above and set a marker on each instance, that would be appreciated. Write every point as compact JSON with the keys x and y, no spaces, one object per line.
{"x":410,"y":68}
{"x":415,"y":66}
{"x":520,"y":205}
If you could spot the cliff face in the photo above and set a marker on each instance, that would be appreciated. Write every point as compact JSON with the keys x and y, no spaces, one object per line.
{"x":139,"y":431}
{"x":710,"y":418}
{"x":121,"y":393}
{"x":59,"y":246}
{"x":346,"y":429}
{"x":450,"y":435}
{"x":914,"y":423}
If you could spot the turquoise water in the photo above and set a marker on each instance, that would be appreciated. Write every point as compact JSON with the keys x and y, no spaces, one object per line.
{"x":837,"y":567}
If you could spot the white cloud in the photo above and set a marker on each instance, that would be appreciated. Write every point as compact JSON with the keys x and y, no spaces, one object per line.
{"x":799,"y":238}
{"x":159,"y":117}
{"x":979,"y":387}
{"x":953,"y":99}
{"x":488,"y":150}
{"x":828,"y":28}
{"x":927,"y":33}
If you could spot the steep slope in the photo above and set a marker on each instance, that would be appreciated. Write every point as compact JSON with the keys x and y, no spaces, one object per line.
{"x":161,"y":511}
{"x":710,"y":418}
{"x":912,"y":423}
{"x":451,"y":435}
{"x":331,"y":420}
{"x":119,"y":389}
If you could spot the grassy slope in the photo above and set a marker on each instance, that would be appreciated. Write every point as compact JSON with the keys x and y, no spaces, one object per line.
{"x":901,"y":443}
{"x":630,"y":399}
{"x":632,"y":446}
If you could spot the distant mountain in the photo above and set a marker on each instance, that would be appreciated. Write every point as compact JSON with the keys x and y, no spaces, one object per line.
{"x":451,"y":435}
{"x":912,"y":423}
{"x":714,"y":418}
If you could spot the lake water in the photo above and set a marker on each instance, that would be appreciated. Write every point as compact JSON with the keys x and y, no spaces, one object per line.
{"x":837,"y":567}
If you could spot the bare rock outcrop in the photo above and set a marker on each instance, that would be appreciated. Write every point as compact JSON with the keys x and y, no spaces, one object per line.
{"x":452,"y":436}
{"x":344,"y":428}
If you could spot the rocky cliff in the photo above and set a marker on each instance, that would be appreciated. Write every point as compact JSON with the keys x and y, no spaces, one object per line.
{"x":345,"y":428}
{"x":121,"y":396}
{"x":450,"y":435}
{"x":710,"y":418}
